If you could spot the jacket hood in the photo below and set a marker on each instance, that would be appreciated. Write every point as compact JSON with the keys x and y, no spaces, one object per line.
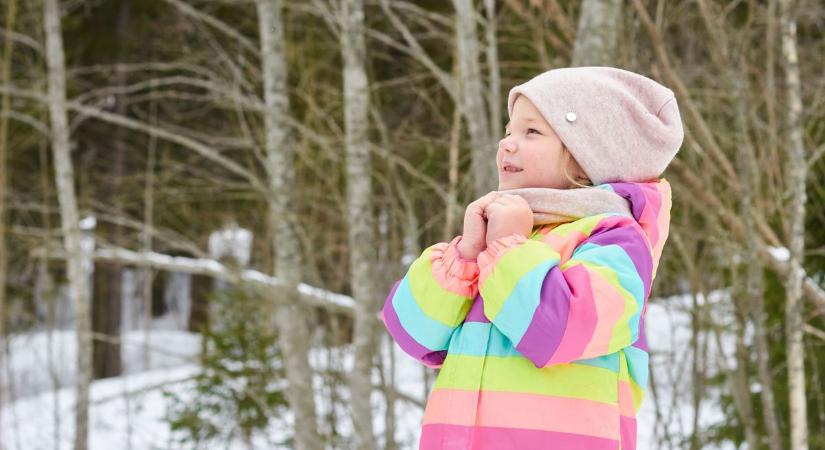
{"x":650,"y":204}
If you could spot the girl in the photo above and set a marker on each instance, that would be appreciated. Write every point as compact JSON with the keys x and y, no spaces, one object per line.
{"x":535,"y":313}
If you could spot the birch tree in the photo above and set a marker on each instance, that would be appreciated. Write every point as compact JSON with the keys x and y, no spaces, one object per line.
{"x":597,"y":37}
{"x":796,"y":178}
{"x":69,"y":218}
{"x":470,"y":98}
{"x":362,"y":254}
{"x":291,"y":314}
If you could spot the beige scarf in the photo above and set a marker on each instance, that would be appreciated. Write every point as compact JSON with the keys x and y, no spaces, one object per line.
{"x":566,"y":205}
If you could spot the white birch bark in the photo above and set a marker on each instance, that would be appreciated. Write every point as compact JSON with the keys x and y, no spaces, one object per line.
{"x":291,"y":314}
{"x":64,"y":180}
{"x":598,"y":33}
{"x":494,"y":77}
{"x":796,"y":178}
{"x":359,"y":211}
{"x":471,"y":95}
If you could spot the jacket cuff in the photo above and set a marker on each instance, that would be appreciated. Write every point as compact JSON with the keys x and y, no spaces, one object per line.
{"x":448,"y":259}
{"x":497,"y":247}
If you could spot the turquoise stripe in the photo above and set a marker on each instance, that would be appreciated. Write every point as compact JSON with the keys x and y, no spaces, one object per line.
{"x":606,"y":187}
{"x":428,"y":332}
{"x":616,"y":260}
{"x":609,"y":362}
{"x":637,"y":362}
{"x":470,"y":338}
{"x":516,"y":313}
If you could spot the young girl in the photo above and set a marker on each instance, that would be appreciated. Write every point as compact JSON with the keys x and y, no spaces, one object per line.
{"x":535,"y":314}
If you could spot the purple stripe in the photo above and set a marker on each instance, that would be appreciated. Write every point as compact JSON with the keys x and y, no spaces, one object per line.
{"x":404,"y":340}
{"x":460,"y":437}
{"x":476,"y":313}
{"x":546,"y":328}
{"x":631,"y":241}
{"x":634,"y":193}
{"x":642,"y":341}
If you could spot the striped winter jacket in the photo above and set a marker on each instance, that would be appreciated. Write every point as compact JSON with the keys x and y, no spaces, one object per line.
{"x":540,"y":341}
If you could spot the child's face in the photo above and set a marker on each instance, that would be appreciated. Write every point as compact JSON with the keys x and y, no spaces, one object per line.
{"x":531,"y":145}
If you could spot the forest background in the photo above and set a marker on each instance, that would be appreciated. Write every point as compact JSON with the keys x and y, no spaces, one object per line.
{"x":237,"y":184}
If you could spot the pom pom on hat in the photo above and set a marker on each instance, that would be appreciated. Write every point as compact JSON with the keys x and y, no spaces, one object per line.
{"x":619,"y":125}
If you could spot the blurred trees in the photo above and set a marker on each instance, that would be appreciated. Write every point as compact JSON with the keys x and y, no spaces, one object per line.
{"x":193,"y":114}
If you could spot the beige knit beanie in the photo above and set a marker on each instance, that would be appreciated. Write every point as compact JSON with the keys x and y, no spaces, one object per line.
{"x":619,"y":125}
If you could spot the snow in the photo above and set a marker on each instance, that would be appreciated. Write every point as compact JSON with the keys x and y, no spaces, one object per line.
{"x":668,"y":328}
{"x":127,"y":412}
{"x":231,"y":242}
{"x":780,"y":253}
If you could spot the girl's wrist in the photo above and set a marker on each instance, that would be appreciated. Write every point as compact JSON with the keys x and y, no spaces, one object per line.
{"x":466,"y":253}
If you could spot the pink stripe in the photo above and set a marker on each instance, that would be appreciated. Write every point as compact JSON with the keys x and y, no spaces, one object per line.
{"x":522,"y":410}
{"x":443,"y":258}
{"x":649,"y":219}
{"x":628,"y":432}
{"x":581,"y":320}
{"x":610,"y":306}
{"x":564,"y":245}
{"x":662,"y":223}
{"x":626,"y":407}
{"x":456,"y":437}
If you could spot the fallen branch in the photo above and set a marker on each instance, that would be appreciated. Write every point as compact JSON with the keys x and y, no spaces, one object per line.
{"x":209,"y":267}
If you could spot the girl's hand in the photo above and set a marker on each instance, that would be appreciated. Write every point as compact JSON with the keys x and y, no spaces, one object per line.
{"x":506,"y":215}
{"x":475,"y":227}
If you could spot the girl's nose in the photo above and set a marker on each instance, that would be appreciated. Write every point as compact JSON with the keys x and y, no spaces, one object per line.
{"x":507,"y":145}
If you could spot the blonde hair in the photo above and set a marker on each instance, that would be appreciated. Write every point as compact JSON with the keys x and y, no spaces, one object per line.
{"x":566,"y":161}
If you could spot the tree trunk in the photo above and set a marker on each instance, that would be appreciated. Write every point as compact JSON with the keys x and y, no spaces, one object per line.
{"x":796,"y":178}
{"x":493,"y":75}
{"x":598,"y":33}
{"x":106,"y":288}
{"x":8,"y":47}
{"x":739,"y":376}
{"x":64,"y":180}
{"x":361,"y":231}
{"x":747,"y":166}
{"x":291,"y":316}
{"x":106,"y":320}
{"x":471,"y":95}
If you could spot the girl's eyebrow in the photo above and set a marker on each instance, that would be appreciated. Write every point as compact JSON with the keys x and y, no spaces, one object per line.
{"x":528,"y":120}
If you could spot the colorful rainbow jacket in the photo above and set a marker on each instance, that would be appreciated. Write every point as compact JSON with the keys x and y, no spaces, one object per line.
{"x":540,"y":341}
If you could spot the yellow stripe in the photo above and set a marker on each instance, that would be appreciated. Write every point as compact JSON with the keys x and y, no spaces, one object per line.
{"x":437,"y":303}
{"x":518,"y":374}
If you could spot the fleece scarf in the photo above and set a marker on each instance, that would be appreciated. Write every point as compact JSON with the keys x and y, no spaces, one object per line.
{"x":566,"y":205}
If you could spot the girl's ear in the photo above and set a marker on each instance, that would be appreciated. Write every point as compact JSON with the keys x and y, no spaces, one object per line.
{"x":574,"y":169}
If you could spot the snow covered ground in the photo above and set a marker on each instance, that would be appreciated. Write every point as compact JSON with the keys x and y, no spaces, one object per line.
{"x":127,"y":412}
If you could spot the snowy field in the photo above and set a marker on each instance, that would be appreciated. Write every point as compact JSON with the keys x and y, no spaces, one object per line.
{"x":127,"y":412}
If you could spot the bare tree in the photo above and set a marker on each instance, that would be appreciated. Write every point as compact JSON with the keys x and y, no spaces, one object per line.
{"x":796,"y":178}
{"x":597,"y":37}
{"x":470,"y":97}
{"x":64,"y":179}
{"x":362,"y":254}
{"x":291,"y":314}
{"x":5,"y":69}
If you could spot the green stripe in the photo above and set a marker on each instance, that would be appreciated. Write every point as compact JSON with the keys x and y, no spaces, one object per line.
{"x":518,"y":374}
{"x":437,"y":303}
{"x":509,"y":269}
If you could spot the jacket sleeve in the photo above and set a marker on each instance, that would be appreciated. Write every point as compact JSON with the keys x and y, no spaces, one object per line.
{"x":431,"y":301}
{"x":590,"y":305}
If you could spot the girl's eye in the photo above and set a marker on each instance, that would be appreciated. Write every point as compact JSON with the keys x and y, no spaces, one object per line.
{"x":529,"y":130}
